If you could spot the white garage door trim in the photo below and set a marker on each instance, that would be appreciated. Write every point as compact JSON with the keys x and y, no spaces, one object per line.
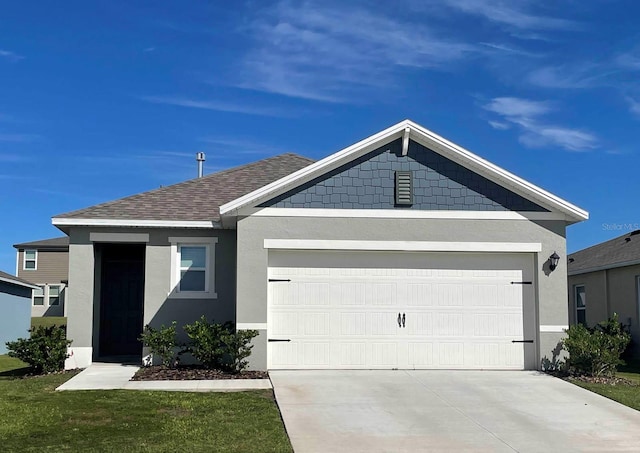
{"x":402,"y":246}
{"x":470,"y":270}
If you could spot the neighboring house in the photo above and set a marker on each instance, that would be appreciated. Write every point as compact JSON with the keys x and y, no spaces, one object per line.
{"x":15,"y":306}
{"x":46,"y":263}
{"x":403,"y":250}
{"x":605,"y":279}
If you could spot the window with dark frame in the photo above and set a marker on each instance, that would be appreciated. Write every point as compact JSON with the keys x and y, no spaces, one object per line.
{"x":581,"y":304}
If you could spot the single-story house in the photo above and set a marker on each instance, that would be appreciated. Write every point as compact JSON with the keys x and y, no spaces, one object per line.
{"x":46,"y":263}
{"x":605,"y":279}
{"x":15,"y":306}
{"x":403,"y":250}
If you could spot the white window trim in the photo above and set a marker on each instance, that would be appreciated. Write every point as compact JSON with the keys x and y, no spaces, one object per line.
{"x":60,"y":288}
{"x":210,"y":290}
{"x":24,"y":260}
{"x":44,"y":296}
{"x":575,"y":302}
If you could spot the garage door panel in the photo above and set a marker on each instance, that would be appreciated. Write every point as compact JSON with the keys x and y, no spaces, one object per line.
{"x":353,"y":354}
{"x":383,"y":354}
{"x":353,"y":324}
{"x":382,"y":323}
{"x":346,"y":316}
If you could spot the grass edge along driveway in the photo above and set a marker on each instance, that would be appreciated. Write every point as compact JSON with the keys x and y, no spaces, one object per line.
{"x":33,"y":417}
{"x":625,"y":394}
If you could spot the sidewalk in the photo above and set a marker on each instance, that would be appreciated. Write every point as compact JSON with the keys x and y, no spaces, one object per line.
{"x":111,"y":376}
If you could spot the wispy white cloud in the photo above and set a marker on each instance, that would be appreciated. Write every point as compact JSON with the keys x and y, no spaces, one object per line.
{"x":219,"y":106}
{"x":149,"y":49}
{"x":535,"y":132}
{"x":517,"y":14}
{"x":11,"y":56}
{"x":230,"y":146}
{"x":329,"y":53}
{"x":501,"y":126}
{"x":634,"y":106}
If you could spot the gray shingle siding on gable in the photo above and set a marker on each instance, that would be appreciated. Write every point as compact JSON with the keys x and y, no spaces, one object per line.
{"x":369,"y":183}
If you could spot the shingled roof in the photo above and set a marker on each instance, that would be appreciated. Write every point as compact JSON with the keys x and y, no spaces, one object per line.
{"x":4,"y":277}
{"x":196,"y":199}
{"x":621,"y":251}
{"x":53,"y":243}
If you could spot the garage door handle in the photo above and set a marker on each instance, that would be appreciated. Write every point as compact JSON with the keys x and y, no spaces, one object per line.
{"x":521,"y":341}
{"x":399,"y":320}
{"x":403,"y":318}
{"x":277,"y":339}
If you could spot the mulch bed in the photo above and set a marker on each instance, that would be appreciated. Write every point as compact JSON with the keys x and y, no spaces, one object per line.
{"x":615,"y":380}
{"x":191,"y":373}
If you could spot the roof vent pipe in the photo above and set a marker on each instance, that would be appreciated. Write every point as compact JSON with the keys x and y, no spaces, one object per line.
{"x":200,"y":159}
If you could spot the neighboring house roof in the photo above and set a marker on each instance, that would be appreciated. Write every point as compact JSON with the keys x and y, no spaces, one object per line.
{"x":408,"y":130}
{"x":196,"y":200}
{"x":53,"y":243}
{"x":618,"y":252}
{"x":4,"y":277}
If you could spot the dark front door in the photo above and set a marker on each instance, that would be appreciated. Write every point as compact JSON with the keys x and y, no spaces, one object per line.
{"x":121,"y":299}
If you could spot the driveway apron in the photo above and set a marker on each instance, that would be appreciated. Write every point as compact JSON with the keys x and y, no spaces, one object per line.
{"x":438,"y":411}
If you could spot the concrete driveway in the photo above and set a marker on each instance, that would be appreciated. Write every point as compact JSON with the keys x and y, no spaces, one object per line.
{"x":461,"y":411}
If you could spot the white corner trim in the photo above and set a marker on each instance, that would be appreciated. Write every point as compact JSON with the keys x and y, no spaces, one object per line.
{"x":554,"y":329}
{"x":402,"y":246}
{"x":118,"y":237}
{"x":61,"y":221}
{"x":78,"y":357}
{"x":405,"y":140}
{"x":251,"y":326}
{"x":425,"y":137}
{"x":404,"y":214}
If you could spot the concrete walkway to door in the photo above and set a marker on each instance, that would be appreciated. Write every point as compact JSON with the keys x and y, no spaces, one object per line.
{"x":452,"y":411}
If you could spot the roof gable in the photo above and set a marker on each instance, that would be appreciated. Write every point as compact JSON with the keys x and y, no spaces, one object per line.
{"x":406,"y":131}
{"x":196,"y":200}
{"x":438,"y":184}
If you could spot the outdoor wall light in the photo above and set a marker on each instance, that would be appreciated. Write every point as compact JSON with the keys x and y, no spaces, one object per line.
{"x":553,"y":261}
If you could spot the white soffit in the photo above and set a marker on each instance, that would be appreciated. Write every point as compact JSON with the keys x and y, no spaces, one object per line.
{"x":425,"y":137}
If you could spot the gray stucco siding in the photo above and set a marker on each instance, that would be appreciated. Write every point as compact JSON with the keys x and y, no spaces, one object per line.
{"x":15,"y":306}
{"x":160,"y":307}
{"x":550,"y":288}
{"x":369,"y":183}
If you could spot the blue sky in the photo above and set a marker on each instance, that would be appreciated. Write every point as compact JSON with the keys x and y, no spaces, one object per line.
{"x":104,"y":99}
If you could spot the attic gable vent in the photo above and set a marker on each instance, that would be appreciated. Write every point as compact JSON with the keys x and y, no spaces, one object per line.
{"x":404,"y":188}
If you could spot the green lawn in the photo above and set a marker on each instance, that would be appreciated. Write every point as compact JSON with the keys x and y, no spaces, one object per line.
{"x":625,"y":394}
{"x":33,"y":417}
{"x":47,"y":321}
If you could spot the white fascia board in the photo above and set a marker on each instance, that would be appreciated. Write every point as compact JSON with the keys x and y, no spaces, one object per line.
{"x":427,"y":138}
{"x":317,"y":168}
{"x":61,"y":221}
{"x":16,"y":282}
{"x":498,"y":174}
{"x":604,"y":268}
{"x":402,"y":214}
{"x":403,"y":246}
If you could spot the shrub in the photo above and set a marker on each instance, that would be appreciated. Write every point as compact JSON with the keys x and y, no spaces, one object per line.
{"x":45,"y":351}
{"x":161,"y":342}
{"x":218,"y":345}
{"x":206,"y":341}
{"x":596,"y":351}
{"x":238,"y":349}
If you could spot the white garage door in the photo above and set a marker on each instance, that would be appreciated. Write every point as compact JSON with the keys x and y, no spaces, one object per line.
{"x":400,"y":310}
